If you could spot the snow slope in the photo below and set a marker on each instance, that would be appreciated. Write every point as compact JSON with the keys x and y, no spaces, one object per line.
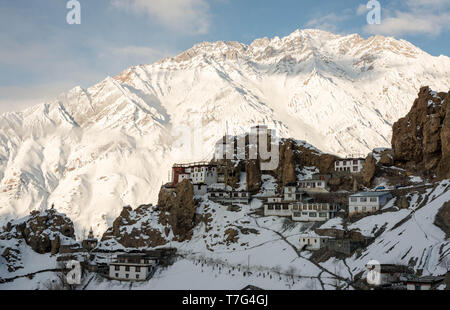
{"x":92,"y":151}
{"x":269,"y":248}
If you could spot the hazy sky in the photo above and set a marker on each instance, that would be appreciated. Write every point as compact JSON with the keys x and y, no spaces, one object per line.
{"x":42,"y":56}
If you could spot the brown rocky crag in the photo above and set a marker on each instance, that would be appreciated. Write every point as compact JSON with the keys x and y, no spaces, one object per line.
{"x":421,"y":139}
{"x":126,"y":231}
{"x":177,"y":209}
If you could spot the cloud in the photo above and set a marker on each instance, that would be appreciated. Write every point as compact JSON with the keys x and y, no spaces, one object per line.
{"x":327,"y":22}
{"x":416,"y":17}
{"x":185,"y":16}
{"x":362,"y":9}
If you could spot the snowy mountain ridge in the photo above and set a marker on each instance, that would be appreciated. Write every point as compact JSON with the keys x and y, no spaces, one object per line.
{"x":92,"y":151}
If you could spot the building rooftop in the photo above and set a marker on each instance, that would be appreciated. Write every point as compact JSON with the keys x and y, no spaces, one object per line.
{"x":369,"y":194}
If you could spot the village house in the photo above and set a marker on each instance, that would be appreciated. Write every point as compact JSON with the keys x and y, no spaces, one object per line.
{"x":386,"y":274}
{"x":367,"y":202}
{"x":424,"y":283}
{"x":275,"y":206}
{"x":352,"y":165}
{"x":132,"y":267}
{"x":313,"y":242}
{"x":314,"y":185}
{"x":222,"y":193}
{"x":313,"y":212}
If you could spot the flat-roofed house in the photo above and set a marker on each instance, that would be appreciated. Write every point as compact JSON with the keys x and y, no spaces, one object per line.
{"x":386,"y":274}
{"x":314,"y":185}
{"x":132,"y":267}
{"x":313,"y":212}
{"x":275,"y":206}
{"x":352,"y":165}
{"x":313,"y":242}
{"x":367,"y":202}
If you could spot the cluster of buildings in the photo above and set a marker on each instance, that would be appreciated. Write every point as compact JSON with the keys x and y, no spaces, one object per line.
{"x":207,"y":180}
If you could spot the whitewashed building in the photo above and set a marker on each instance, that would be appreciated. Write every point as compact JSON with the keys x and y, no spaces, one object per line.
{"x":132,"y":267}
{"x":275,"y":206}
{"x":197,"y":173}
{"x":313,"y":186}
{"x":352,"y":165}
{"x":385,"y":274}
{"x":367,"y":202}
{"x":312,"y":241}
{"x":222,"y":193}
{"x":313,"y":212}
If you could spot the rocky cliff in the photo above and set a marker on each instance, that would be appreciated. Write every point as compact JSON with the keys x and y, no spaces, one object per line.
{"x":421,"y":139}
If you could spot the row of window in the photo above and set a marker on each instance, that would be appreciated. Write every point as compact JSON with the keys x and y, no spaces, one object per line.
{"x":355,"y":168}
{"x":127,"y":276}
{"x":310,"y":184}
{"x":364,"y":209}
{"x":363,"y":199}
{"x":297,"y":207}
{"x":129,"y":268}
{"x":344,"y":162}
{"x":310,"y":214}
{"x":237,"y":195}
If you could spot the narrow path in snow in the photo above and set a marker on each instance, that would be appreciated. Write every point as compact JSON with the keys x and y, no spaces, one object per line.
{"x":297,"y":251}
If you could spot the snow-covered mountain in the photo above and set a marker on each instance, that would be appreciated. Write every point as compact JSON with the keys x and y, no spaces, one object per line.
{"x":92,"y":151}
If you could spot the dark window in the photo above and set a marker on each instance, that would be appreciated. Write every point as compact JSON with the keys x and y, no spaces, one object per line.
{"x":127,"y":268}
{"x":127,"y":275}
{"x":117,"y":268}
{"x":138,"y":269}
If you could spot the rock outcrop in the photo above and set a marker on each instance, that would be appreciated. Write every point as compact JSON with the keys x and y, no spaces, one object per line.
{"x":442,"y":219}
{"x":177,"y":209}
{"x":135,"y":228}
{"x":43,"y":231}
{"x":253,"y":175}
{"x":421,"y":139}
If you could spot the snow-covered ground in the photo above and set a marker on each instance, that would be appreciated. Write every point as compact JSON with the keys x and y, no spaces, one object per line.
{"x":269,"y":247}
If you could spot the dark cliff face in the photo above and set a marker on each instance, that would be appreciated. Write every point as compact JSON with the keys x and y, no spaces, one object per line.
{"x":421,"y":139}
{"x":178,"y":210}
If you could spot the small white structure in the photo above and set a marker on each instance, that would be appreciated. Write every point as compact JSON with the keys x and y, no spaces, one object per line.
{"x":275,"y":206}
{"x":312,"y":241}
{"x":313,"y":212}
{"x":313,"y":186}
{"x":385,"y":274}
{"x":367,"y":202}
{"x":352,"y":165}
{"x":132,"y":267}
